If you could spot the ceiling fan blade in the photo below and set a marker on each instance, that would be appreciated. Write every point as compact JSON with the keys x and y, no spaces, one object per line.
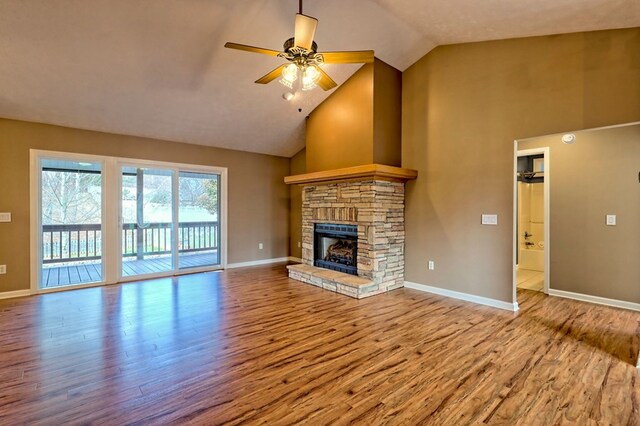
{"x":325,"y":81}
{"x":305,"y":31}
{"x":253,"y":49}
{"x":352,"y":57}
{"x":268,"y":78}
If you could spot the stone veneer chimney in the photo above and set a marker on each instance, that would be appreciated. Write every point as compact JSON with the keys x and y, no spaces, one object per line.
{"x":371,"y":197}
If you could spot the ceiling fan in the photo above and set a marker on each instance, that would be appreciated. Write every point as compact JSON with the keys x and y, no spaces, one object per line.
{"x":304,"y":59}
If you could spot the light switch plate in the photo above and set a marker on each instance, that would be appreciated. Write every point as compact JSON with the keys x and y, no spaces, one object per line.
{"x":5,"y":217}
{"x":611,"y":220}
{"x":3,"y":269}
{"x":489,"y":219}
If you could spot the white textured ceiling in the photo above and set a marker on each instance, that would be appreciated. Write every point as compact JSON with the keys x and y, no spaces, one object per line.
{"x":157,"y":68}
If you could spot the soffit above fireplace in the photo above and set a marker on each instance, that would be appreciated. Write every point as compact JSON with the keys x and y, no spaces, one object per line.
{"x":365,"y":172}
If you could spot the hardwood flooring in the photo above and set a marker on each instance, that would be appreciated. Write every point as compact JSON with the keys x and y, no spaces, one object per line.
{"x":250,"y":346}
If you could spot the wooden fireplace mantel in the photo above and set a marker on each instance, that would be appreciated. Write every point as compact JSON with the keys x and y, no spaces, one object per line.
{"x":367,"y":171}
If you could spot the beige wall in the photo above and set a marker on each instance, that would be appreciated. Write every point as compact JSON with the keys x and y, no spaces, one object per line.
{"x":387,"y":114}
{"x":463,"y":105}
{"x":297,"y":166}
{"x":340,"y":130}
{"x":258,"y":199}
{"x":360,"y":123}
{"x":595,"y":176}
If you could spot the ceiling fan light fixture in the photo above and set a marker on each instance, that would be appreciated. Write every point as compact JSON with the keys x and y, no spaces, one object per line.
{"x":310,"y":78}
{"x":301,"y":51}
{"x":289,"y":75}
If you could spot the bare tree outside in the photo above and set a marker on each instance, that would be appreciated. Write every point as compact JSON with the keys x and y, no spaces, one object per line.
{"x":71,"y":198}
{"x":199,"y":192}
{"x":72,"y":210}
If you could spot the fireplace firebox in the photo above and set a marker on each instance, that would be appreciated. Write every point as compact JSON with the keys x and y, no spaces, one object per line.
{"x":336,"y":247}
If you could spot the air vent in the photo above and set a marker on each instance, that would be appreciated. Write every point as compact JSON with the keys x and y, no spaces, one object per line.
{"x":337,"y":228}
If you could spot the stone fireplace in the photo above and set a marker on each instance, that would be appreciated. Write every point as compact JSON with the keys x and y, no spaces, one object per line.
{"x":353,"y":229}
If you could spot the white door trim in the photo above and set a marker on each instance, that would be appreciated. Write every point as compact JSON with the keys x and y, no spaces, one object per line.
{"x":547,"y":210}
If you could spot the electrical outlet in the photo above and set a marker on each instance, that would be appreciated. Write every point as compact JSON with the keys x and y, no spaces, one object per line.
{"x":432,"y":265}
{"x":611,"y":220}
{"x":5,"y":217}
{"x":260,"y":246}
{"x":3,"y":269}
{"x":299,"y":244}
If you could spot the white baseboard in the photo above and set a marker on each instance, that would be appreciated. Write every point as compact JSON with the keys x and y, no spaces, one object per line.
{"x":257,"y":262}
{"x":513,"y":307}
{"x":595,"y":299}
{"x":17,"y":293}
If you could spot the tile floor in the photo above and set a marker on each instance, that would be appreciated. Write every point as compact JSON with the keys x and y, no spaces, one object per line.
{"x":530,"y":280}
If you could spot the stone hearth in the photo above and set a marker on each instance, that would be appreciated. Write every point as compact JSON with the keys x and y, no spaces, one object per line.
{"x":339,"y":282}
{"x":376,"y":207}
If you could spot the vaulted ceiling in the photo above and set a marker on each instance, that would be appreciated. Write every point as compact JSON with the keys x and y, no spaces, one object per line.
{"x":158,"y":68}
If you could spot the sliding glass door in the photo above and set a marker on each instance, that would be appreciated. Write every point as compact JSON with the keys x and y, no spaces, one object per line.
{"x":147,"y":221}
{"x":198,"y":230}
{"x":102,"y":220}
{"x":169,"y":220}
{"x":70,"y":233}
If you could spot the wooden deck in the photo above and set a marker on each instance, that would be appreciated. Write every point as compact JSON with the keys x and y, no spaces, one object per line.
{"x":82,"y":273}
{"x":251,"y":346}
{"x":56,"y":276}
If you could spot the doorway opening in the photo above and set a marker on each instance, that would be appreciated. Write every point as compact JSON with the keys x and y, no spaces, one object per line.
{"x":531,"y":220}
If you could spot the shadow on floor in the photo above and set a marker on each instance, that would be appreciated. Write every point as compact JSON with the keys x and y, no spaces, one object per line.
{"x":621,"y":345}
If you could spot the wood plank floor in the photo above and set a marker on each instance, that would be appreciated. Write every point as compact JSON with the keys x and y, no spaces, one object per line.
{"x":80,"y":273}
{"x":250,"y":346}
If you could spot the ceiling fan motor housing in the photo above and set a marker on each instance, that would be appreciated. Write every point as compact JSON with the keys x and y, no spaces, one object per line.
{"x":290,"y":45}
{"x":299,"y":55}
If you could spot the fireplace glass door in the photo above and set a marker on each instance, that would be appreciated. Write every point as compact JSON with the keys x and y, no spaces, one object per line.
{"x":336,"y":247}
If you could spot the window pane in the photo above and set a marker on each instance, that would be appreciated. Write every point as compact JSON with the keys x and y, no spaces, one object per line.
{"x":147,"y":221}
{"x":71,"y":216}
{"x":198,"y":234}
